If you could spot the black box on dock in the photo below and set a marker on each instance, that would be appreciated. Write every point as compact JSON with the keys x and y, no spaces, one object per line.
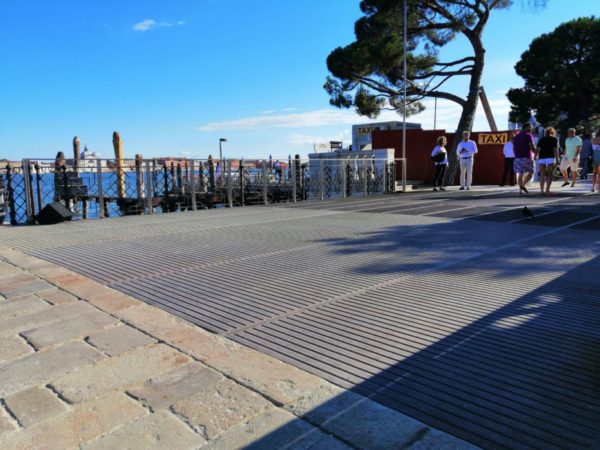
{"x":54,"y":213}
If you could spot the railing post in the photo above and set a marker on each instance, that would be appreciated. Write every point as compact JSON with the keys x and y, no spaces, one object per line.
{"x":65,"y":175}
{"x":193,"y":186}
{"x":264,"y":172}
{"x":173,"y":178}
{"x":28,"y":181}
{"x":345,"y":178}
{"x":38,"y":185}
{"x":149,"y":188}
{"x":321,"y":179}
{"x":211,"y":174}
{"x":365,"y":180}
{"x":179,"y":176}
{"x":155,"y":186}
{"x":102,"y":205}
{"x":227,"y":165}
{"x":166,"y":179}
{"x":202,"y":185}
{"x":11,"y":195}
{"x":242,"y":188}
{"x":293,"y":169}
{"x":139,"y":179}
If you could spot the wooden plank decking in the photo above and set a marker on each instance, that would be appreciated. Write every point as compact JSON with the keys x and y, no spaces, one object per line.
{"x":486,"y":327}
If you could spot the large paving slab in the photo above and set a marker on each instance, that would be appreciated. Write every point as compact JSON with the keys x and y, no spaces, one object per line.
{"x":150,"y":380}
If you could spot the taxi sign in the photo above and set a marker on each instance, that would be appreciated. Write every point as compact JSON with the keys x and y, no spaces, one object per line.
{"x":492,"y":138}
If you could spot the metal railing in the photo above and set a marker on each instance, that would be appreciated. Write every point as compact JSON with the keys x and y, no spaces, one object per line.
{"x":99,"y":188}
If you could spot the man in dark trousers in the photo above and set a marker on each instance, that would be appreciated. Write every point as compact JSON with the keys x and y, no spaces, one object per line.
{"x":508,"y":174}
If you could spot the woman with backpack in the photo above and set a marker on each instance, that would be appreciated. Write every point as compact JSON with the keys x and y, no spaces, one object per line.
{"x":439,"y":156}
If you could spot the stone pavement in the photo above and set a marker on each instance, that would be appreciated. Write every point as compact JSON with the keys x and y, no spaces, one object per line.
{"x":84,"y":366}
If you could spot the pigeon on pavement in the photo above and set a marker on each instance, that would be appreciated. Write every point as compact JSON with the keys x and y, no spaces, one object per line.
{"x":527,"y":213}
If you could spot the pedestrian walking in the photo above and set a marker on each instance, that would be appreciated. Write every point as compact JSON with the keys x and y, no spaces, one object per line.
{"x":439,"y":156}
{"x":508,"y":174}
{"x":547,"y":156}
{"x":596,"y":163}
{"x":524,"y":148}
{"x":571,"y":157}
{"x":466,"y":151}
{"x":585,"y":156}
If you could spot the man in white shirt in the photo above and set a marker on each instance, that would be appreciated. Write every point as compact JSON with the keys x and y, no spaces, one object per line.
{"x":466,"y":150}
{"x":508,"y":174}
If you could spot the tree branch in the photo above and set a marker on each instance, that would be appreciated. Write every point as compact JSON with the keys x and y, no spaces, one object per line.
{"x":458,"y":61}
{"x":466,"y":70}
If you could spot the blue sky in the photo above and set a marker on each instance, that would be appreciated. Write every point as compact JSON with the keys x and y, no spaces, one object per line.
{"x":174,"y":77}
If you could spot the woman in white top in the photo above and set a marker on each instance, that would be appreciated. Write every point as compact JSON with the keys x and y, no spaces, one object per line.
{"x":440,"y":157}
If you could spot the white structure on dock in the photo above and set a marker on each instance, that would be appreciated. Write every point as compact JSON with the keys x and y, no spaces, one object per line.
{"x":361,"y":133}
{"x":356,"y":164}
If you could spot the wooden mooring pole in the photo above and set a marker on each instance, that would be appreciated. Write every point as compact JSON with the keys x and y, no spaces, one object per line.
{"x":118,"y":147}
{"x":76,"y":154}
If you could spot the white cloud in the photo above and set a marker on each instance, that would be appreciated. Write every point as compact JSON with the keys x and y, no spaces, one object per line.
{"x":445,"y":116}
{"x":149,"y":24}
{"x":168,"y":24}
{"x":304,"y":139}
{"x":316,"y":118}
{"x":144,"y":25}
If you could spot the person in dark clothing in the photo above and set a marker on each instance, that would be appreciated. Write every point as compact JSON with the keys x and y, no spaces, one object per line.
{"x":440,"y":158}
{"x":508,"y":173}
{"x":547,"y":156}
{"x":524,"y":148}
{"x":585,"y":156}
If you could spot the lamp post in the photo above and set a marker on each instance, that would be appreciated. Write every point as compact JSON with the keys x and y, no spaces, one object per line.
{"x":404,"y":102}
{"x":221,"y":140}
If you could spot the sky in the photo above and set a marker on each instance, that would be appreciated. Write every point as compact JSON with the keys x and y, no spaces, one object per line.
{"x":173,"y":77}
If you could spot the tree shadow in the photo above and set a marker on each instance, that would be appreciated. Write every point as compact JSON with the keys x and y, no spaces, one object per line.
{"x":463,"y":358}
{"x":526,"y":375}
{"x":409,"y":250}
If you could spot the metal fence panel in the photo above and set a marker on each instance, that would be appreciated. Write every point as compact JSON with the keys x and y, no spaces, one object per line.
{"x":102,"y":188}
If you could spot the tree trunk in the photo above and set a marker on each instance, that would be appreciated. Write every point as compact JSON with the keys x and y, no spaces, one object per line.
{"x":468,"y":113}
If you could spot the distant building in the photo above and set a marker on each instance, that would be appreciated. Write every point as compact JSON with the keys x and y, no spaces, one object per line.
{"x":361,"y":133}
{"x":319,"y":147}
{"x":87,"y":154}
{"x":88,"y":161}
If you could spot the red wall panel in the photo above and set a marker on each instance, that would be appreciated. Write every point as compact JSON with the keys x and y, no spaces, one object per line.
{"x":488,"y":162}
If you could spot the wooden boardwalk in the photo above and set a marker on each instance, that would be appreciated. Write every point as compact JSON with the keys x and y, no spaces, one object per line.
{"x":450,"y":308}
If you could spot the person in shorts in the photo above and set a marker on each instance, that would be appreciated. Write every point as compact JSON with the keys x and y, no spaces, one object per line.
{"x":547,"y":156}
{"x":571,"y":157}
{"x":524,"y":148}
